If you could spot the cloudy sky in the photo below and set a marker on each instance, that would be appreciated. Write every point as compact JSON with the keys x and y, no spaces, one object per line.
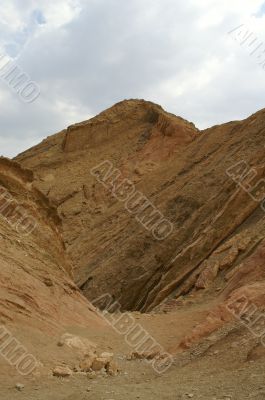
{"x":86,"y":55}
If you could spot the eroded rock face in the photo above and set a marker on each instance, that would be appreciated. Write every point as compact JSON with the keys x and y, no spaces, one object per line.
{"x":36,"y":286}
{"x":242,"y":301}
{"x":137,"y":137}
{"x":183,"y":172}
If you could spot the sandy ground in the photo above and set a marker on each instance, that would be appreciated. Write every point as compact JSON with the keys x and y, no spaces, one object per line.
{"x":209,"y":378}
{"x":221,"y":372}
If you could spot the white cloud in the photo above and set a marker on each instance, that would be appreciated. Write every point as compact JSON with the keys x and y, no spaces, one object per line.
{"x":91,"y":53}
{"x":58,"y":13}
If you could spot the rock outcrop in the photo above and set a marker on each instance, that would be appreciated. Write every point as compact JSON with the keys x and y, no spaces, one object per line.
{"x":185,"y":173}
{"x":37,"y":293}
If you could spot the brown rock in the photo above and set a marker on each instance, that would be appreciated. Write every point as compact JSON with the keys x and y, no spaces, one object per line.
{"x":112,"y":368}
{"x":37,"y":290}
{"x":207,"y":276}
{"x":62,"y":372}
{"x":257,"y":353}
{"x":229,"y":258}
{"x":99,"y":363}
{"x":86,"y":364}
{"x":91,"y":375}
{"x":136,"y":355}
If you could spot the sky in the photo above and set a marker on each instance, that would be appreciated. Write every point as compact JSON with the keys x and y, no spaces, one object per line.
{"x":86,"y":55}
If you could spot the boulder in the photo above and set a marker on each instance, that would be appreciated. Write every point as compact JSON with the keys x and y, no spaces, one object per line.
{"x":62,"y":372}
{"x":99,"y":363}
{"x":86,"y":364}
{"x":82,"y":345}
{"x":112,"y":368}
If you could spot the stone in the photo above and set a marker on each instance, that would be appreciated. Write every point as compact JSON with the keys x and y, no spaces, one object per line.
{"x":112,"y":368}
{"x":108,"y":356}
{"x":99,"y":363}
{"x":91,"y":375}
{"x":207,"y":276}
{"x":86,"y":364}
{"x":81,"y":345}
{"x":19,"y":387}
{"x":62,"y":372}
{"x":229,"y":258}
{"x":135,"y":355}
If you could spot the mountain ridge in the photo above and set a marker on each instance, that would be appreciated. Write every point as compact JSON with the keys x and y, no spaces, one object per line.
{"x":169,"y":160}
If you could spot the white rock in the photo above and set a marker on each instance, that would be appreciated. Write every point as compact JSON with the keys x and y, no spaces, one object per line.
{"x":81,"y":345}
{"x":19,"y":386}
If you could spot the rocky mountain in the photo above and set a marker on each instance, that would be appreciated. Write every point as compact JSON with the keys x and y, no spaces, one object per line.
{"x":212,"y":224}
{"x":111,"y":252}
{"x":138,"y":207}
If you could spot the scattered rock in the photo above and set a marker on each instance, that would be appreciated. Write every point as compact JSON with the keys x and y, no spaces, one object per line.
{"x":48,"y":282}
{"x":108,"y":356}
{"x":103,"y":372}
{"x":86,"y":364}
{"x":135,"y":355}
{"x":82,"y":345}
{"x":19,"y":387}
{"x":112,"y":368}
{"x":99,"y":363}
{"x":62,"y":372}
{"x":91,"y":375}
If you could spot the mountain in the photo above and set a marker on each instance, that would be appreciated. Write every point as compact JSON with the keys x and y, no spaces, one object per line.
{"x":158,"y":223}
{"x":182,"y":172}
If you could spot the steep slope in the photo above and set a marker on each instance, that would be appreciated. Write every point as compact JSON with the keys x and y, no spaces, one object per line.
{"x":38,"y":299}
{"x":138,"y":138}
{"x":182,"y":171}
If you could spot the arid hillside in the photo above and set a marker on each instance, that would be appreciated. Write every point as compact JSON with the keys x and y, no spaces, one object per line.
{"x":138,"y":206}
{"x":110,"y":250}
{"x":212,"y":225}
{"x":39,"y":301}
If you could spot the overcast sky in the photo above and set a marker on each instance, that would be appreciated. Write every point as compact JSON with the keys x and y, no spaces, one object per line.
{"x":87,"y":55}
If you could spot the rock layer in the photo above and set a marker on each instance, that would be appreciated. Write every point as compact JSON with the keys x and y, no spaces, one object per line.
{"x":37,"y":290}
{"x":182,"y":171}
